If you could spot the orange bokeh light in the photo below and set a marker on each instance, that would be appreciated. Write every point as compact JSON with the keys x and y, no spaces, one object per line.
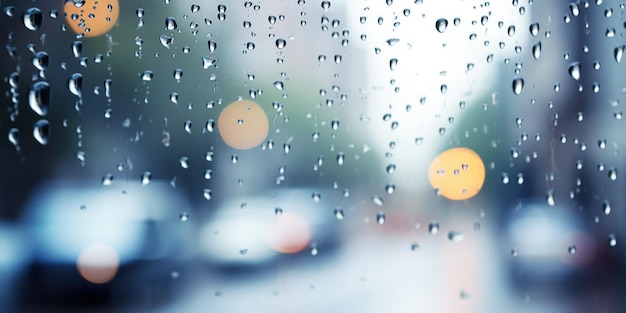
{"x":457,"y":173}
{"x":289,"y":234}
{"x":243,"y":124}
{"x":91,"y":18}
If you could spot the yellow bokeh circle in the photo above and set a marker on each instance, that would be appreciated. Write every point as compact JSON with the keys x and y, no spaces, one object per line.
{"x":91,"y":18}
{"x":243,"y":124}
{"x":457,"y":173}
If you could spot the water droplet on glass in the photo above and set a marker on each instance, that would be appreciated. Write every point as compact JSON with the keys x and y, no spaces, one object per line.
{"x":534,"y":29}
{"x":390,"y":169}
{"x":187,"y":126}
{"x":574,"y":70}
{"x":107,"y":179}
{"x":518,"y":85}
{"x":75,"y":84}
{"x":32,"y":19}
{"x":184,"y":162}
{"x":41,"y":131}
{"x":380,"y":217}
{"x":184,"y":216}
{"x":612,"y":240}
{"x":606,"y":207}
{"x":455,"y":236}
{"x":612,"y":173}
{"x":574,"y":8}
{"x":433,"y":227}
{"x":338,"y":212}
{"x":390,"y":188}
{"x":340,"y":158}
{"x":571,"y":249}
{"x":550,"y":197}
{"x":166,"y":41}
{"x":212,"y":46}
{"x":325,"y":5}
{"x":146,"y":177}
{"x":39,"y":98}
{"x":147,"y":75}
{"x":378,"y":200}
{"x":393,"y":63}
{"x":618,"y":52}
{"x":281,"y":43}
{"x":441,"y":25}
{"x":170,"y":23}
{"x":316,"y":196}
{"x":207,"y":193}
{"x":536,"y":50}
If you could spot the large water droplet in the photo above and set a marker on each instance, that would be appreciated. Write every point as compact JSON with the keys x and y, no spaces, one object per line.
{"x":281,"y":43}
{"x":550,"y":197}
{"x":518,"y":85}
{"x":441,"y":25}
{"x":338,"y":212}
{"x":606,"y":207}
{"x":32,"y":19}
{"x":75,"y":84}
{"x":166,"y":41}
{"x":39,"y":98}
{"x":571,"y":249}
{"x":77,"y":49}
{"x":537,"y":50}
{"x":574,"y":70}
{"x":41,"y":131}
{"x":170,"y":23}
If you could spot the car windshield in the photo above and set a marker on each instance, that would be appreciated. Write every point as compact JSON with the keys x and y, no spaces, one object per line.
{"x":312,"y":156}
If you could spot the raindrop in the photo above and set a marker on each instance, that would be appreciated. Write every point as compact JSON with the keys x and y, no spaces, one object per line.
{"x":250,"y":45}
{"x":325,"y":5}
{"x":32,"y":19}
{"x":393,"y":63}
{"x":279,"y":85}
{"x":340,"y":158}
{"x":178,"y":74}
{"x":206,"y":193}
{"x":334,"y":124}
{"x":433,"y":227}
{"x":338,"y":212}
{"x":166,"y":41}
{"x":602,"y":143}
{"x":390,"y":169}
{"x":612,"y":240}
{"x":281,"y":43}
{"x":14,"y":136}
{"x":316,"y":196}
{"x":187,"y":126}
{"x":612,"y":173}
{"x":107,"y":179}
{"x":41,"y":131}
{"x":380,"y":217}
{"x":338,"y":58}
{"x":41,"y":60}
{"x":537,"y":50}
{"x":378,"y":200}
{"x":618,"y":52}
{"x":574,"y":8}
{"x":39,"y":98}
{"x":390,"y":188}
{"x":392,"y":41}
{"x":455,"y":236}
{"x":75,"y":84}
{"x":212,"y":46}
{"x":195,"y":8}
{"x":534,"y":29}
{"x":147,"y":75}
{"x":441,"y":25}
{"x":170,"y":23}
{"x":571,"y":249}
{"x":278,"y":211}
{"x":574,"y":70}
{"x":208,"y":62}
{"x":518,"y":85}
{"x":184,"y":162}
{"x":145,"y":178}
{"x":550,"y":197}
{"x":606,"y":207}
{"x":77,"y":49}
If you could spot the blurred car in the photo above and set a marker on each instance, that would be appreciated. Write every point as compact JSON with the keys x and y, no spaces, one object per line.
{"x":549,"y":246}
{"x":95,"y":245}
{"x":258,"y":230}
{"x":12,"y":257}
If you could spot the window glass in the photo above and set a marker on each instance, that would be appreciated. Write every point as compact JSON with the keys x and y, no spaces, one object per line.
{"x":312,"y":156}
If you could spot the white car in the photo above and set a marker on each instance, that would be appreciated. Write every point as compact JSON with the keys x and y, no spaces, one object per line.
{"x":102,"y":244}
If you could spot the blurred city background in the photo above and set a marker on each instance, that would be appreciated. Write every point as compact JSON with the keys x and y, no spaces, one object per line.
{"x":338,"y":184}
